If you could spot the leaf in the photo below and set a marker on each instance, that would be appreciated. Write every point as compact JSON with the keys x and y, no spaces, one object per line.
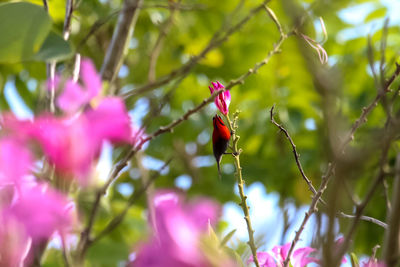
{"x":23,"y":29}
{"x":234,"y":255}
{"x":376,"y":14}
{"x":354,"y":260}
{"x":227,"y":237}
{"x":212,"y":235}
{"x":53,"y":48}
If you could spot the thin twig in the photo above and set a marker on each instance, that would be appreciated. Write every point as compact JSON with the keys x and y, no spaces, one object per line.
{"x":217,"y":39}
{"x":69,"y":8}
{"x":364,"y":218}
{"x":95,"y":27}
{"x":173,"y":5}
{"x":45,"y":5}
{"x":295,"y":153}
{"x":164,"y":29}
{"x":121,"y":36}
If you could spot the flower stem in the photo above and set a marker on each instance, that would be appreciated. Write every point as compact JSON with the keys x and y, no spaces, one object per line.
{"x":236,"y":154}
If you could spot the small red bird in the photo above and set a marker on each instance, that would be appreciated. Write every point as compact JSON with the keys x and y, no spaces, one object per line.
{"x":220,"y":138}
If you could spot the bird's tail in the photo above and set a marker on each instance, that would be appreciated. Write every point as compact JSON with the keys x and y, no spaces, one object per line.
{"x":219,"y":169}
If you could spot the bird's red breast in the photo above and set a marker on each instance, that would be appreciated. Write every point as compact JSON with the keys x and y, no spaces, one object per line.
{"x":220,"y":129}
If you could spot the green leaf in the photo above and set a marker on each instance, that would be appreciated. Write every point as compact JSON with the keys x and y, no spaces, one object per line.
{"x":227,"y":237}
{"x":53,"y":48}
{"x":354,"y":260}
{"x":212,"y":235}
{"x":23,"y":29}
{"x":376,"y":14}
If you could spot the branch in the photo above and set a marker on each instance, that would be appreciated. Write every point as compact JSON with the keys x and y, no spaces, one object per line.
{"x":364,"y":218}
{"x":69,"y":8}
{"x":184,"y":70}
{"x":391,"y":244}
{"x":159,"y":44}
{"x":296,"y":155}
{"x":121,"y":36}
{"x":243,"y":203}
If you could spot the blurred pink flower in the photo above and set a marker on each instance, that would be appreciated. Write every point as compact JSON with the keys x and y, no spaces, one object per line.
{"x":223,"y":99}
{"x":178,"y":229}
{"x":14,"y":243}
{"x":372,"y":262}
{"x":110,"y":121}
{"x":41,"y":211}
{"x":15,"y":160}
{"x":264,"y":259}
{"x":75,"y":96}
{"x":74,"y":143}
{"x":300,"y":258}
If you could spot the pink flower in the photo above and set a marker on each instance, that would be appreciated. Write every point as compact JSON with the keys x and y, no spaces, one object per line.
{"x":223,"y":99}
{"x":110,"y":121}
{"x":178,"y":227}
{"x":372,"y":262}
{"x":14,"y":243}
{"x":15,"y":160}
{"x":72,"y":144}
{"x":264,"y":259}
{"x":76,"y":96}
{"x":300,"y":257}
{"x":41,"y":211}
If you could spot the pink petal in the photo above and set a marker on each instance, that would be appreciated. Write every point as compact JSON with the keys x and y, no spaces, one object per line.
{"x":178,"y":229}
{"x":41,"y":212}
{"x":301,"y":257}
{"x":14,"y":243}
{"x":110,"y":121}
{"x":72,"y":98}
{"x":68,"y":144}
{"x":223,"y":99}
{"x":264,"y":259}
{"x":15,"y":160}
{"x":90,"y":78}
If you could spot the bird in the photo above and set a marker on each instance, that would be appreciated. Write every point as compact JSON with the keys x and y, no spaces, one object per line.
{"x":220,"y":138}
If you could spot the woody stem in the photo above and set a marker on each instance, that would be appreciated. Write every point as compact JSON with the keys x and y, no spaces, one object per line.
{"x":243,"y":203}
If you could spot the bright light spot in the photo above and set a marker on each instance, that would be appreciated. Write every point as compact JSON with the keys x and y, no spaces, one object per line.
{"x":183,"y":181}
{"x":154,"y":164}
{"x":31,"y":84}
{"x":310,"y":124}
{"x":228,"y":168}
{"x":356,"y":14}
{"x":133,"y":43}
{"x":104,"y":164}
{"x":140,"y":110}
{"x":203,"y":138}
{"x":123,"y":71}
{"x":125,"y":189}
{"x":17,"y":105}
{"x":203,"y":161}
{"x":191,"y":148}
{"x":134,"y":173}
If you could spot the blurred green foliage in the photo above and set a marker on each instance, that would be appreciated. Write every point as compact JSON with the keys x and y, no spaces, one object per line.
{"x":286,"y":81}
